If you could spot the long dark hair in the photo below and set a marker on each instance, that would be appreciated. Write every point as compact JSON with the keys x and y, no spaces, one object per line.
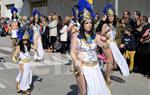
{"x":14,"y":17}
{"x":34,"y":21}
{"x":114,"y":22}
{"x":22,"y":46}
{"x":82,"y":31}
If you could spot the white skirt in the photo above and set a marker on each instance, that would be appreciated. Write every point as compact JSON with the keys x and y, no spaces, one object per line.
{"x":40,"y":52}
{"x":119,"y":58}
{"x":25,"y":79}
{"x":96,"y":84}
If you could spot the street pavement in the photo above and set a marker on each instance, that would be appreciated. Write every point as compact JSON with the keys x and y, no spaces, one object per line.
{"x":52,"y":76}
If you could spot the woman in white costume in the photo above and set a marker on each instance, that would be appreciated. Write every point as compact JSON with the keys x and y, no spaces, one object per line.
{"x":86,"y":68}
{"x":22,"y":57}
{"x":14,"y":27}
{"x":37,"y":41}
{"x":111,"y":48}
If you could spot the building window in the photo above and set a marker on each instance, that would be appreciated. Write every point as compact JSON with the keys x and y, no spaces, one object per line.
{"x":10,"y":6}
{"x":38,"y":3}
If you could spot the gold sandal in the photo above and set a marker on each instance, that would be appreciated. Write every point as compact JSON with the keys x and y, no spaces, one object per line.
{"x":18,"y":87}
{"x":24,"y":92}
{"x":109,"y":82}
{"x":28,"y":92}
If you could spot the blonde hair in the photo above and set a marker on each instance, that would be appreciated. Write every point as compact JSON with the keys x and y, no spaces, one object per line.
{"x":66,"y":20}
{"x":55,"y":17}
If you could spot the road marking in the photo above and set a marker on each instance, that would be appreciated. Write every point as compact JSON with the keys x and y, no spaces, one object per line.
{"x":59,"y":58}
{"x":3,"y":55}
{"x":1,"y":68}
{"x":9,"y":65}
{"x":6,"y":49}
{"x":50,"y":59}
{"x":38,"y":71}
{"x":2,"y":85}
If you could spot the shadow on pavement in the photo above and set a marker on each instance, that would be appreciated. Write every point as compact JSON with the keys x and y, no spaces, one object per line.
{"x":117,"y":79}
{"x":35,"y":79}
{"x":69,"y":62}
{"x":74,"y":90}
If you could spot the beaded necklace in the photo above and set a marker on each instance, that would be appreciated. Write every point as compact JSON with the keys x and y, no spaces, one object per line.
{"x":88,"y":42}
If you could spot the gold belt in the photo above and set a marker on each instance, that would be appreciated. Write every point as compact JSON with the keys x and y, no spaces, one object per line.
{"x":24,"y":60}
{"x":90,"y":64}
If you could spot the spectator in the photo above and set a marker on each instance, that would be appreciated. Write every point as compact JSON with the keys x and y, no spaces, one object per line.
{"x":64,"y":34}
{"x":127,"y":19}
{"x":145,"y":52}
{"x":129,"y":45}
{"x":45,"y":34}
{"x":53,"y":31}
{"x":136,"y":15}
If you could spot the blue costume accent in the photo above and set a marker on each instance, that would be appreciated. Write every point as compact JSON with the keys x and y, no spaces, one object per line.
{"x":35,"y":11}
{"x":14,"y":9}
{"x":75,"y":11}
{"x":107,"y":7}
{"x":30,"y":32}
{"x":80,"y":37}
{"x":21,"y":32}
{"x":85,"y":4}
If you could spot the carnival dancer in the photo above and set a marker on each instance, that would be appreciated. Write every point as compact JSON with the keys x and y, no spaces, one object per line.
{"x":87,"y":71}
{"x":14,"y":12}
{"x":22,"y":57}
{"x":37,"y":40}
{"x":53,"y":31}
{"x":110,"y":48}
{"x":14,"y":27}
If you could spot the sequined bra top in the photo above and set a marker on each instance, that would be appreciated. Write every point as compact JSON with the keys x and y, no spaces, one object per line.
{"x":86,"y":52}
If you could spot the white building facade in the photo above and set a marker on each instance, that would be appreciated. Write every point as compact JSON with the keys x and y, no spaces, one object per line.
{"x":24,"y":7}
{"x":6,"y":6}
{"x":63,"y":7}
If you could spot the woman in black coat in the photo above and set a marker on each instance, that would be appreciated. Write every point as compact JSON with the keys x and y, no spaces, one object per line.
{"x":45,"y":33}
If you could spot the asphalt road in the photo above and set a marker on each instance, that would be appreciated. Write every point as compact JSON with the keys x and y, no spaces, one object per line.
{"x":52,"y":76}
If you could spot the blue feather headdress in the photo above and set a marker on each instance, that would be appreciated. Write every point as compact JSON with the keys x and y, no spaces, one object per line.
{"x":30,"y":32}
{"x":35,"y":12}
{"x":75,"y":11}
{"x":23,"y":31}
{"x":14,"y":9}
{"x":82,"y":9}
{"x":108,"y":9}
{"x":20,"y":34}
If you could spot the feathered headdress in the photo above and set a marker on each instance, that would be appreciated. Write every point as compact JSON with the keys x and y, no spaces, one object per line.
{"x":35,"y":12}
{"x":85,"y":16}
{"x":25,"y":33}
{"x":108,"y":9}
{"x":75,"y":11}
{"x":83,"y":10}
{"x":14,"y":9}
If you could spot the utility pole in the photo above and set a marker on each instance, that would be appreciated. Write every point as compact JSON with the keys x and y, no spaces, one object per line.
{"x":116,"y":6}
